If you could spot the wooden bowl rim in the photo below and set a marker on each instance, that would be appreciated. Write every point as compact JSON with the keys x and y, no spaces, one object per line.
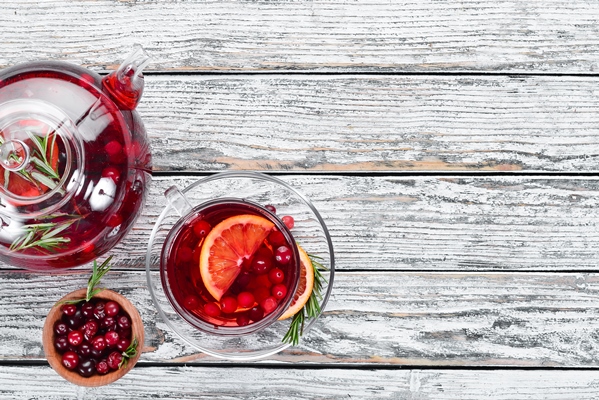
{"x":54,"y":358}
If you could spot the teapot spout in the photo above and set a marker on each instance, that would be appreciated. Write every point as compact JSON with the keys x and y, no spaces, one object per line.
{"x":125,"y":85}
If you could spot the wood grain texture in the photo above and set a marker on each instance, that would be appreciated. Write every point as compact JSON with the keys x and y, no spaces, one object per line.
{"x":267,"y":384}
{"x":327,"y":35}
{"x":433,"y":223}
{"x":375,"y":318}
{"x":372,"y":123}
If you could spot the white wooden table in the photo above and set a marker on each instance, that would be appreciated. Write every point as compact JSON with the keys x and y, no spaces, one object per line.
{"x":451,"y":147}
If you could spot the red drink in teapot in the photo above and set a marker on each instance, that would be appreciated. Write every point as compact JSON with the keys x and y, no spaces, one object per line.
{"x":75,"y":161}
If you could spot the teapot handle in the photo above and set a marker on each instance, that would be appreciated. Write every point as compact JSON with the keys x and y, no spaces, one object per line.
{"x":178,"y":201}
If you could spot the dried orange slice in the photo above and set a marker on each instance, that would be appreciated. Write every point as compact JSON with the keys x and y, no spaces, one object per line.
{"x":225,"y":248}
{"x":304,"y":287}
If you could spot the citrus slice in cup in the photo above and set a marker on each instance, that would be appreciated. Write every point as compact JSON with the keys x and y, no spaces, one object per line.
{"x":227,"y":246}
{"x":304,"y":287}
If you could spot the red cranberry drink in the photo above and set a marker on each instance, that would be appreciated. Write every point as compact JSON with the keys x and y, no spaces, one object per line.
{"x":230,"y":267}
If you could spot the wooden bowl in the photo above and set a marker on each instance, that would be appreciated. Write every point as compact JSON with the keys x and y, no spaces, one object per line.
{"x":54,"y":357}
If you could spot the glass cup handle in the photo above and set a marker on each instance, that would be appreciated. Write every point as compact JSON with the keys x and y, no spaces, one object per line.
{"x":178,"y":201}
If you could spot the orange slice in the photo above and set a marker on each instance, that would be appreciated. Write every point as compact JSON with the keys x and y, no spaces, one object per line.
{"x":304,"y":287}
{"x":225,"y":248}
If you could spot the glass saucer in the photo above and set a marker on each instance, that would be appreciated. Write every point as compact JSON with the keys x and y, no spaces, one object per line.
{"x":310,"y":232}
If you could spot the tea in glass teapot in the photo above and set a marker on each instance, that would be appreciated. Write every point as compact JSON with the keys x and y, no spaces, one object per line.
{"x":75,"y":161}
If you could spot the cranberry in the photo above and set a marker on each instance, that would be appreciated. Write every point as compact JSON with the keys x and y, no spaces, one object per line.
{"x":114,"y":359}
{"x":70,"y":360}
{"x":245,"y":299}
{"x":113,"y":148}
{"x":75,"y":338}
{"x":276,"y":275}
{"x":87,"y":309}
{"x":268,"y":304}
{"x":112,"y":308}
{"x":124,"y":333}
{"x":61,"y":343}
{"x":201,"y":228}
{"x":112,"y":338}
{"x":60,"y":328}
{"x":243,"y":320}
{"x":86,"y":368}
{"x":69,"y":309}
{"x":243,"y":279}
{"x":212,"y":309}
{"x":276,"y":238}
{"x":288,"y":221}
{"x":228,"y":304}
{"x":184,"y":254}
{"x":283,"y":255}
{"x":97,"y":354}
{"x":102,"y":367}
{"x":99,"y":343}
{"x":74,"y":321}
{"x":262,"y":261}
{"x":279,"y":291}
{"x":123,"y":344}
{"x":109,"y":323}
{"x":271,"y":208}
{"x":123,"y":322}
{"x":84,"y":350}
{"x":191,"y":302}
{"x":114,"y":220}
{"x":90,"y":328}
{"x":112,"y":173}
{"x":256,"y":313}
{"x":262,"y":280}
{"x":100,"y":310}
{"x":261,"y":293}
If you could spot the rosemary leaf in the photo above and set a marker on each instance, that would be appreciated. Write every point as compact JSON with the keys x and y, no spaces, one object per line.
{"x":97,"y":273}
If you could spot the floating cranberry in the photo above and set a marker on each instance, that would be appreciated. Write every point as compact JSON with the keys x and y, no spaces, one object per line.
{"x":276,"y":275}
{"x":228,"y":304}
{"x":114,"y":220}
{"x":70,"y":360}
{"x":243,"y":279}
{"x":283,"y":255}
{"x":245,"y":299}
{"x":262,"y":260}
{"x":261,"y":293}
{"x":288,"y":221}
{"x":268,"y":304}
{"x":243,"y":320}
{"x":112,"y":173}
{"x":276,"y":238}
{"x":112,"y":308}
{"x":113,"y":149}
{"x":184,"y":254}
{"x":279,"y":291}
{"x":75,"y":338}
{"x":191,"y":302}
{"x":201,"y":228}
{"x":60,"y":328}
{"x":212,"y":309}
{"x":256,"y":313}
{"x":114,"y":359}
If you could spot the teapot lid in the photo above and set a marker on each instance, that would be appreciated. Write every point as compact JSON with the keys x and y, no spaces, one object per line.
{"x":41,"y":158}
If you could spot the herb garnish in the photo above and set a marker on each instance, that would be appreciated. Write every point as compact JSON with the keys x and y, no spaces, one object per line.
{"x":44,"y":235}
{"x":312,"y":307}
{"x":97,"y":273}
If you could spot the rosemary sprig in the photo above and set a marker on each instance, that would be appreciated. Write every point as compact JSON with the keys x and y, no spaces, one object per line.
{"x":97,"y":273}
{"x":43,"y":235}
{"x":129,"y":353}
{"x":312,"y":307}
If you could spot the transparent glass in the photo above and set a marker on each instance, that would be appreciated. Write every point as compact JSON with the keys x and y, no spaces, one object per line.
{"x":310,"y":232}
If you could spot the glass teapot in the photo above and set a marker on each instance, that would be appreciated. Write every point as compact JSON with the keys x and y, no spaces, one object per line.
{"x":74,"y":161}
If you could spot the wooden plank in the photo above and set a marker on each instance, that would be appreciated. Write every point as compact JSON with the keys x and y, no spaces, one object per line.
{"x":373,"y":123}
{"x":434,"y":223}
{"x":327,"y":35}
{"x":373,"y":318}
{"x":236,"y":383}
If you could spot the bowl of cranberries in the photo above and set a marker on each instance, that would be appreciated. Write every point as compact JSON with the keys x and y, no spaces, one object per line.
{"x":93,"y":342}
